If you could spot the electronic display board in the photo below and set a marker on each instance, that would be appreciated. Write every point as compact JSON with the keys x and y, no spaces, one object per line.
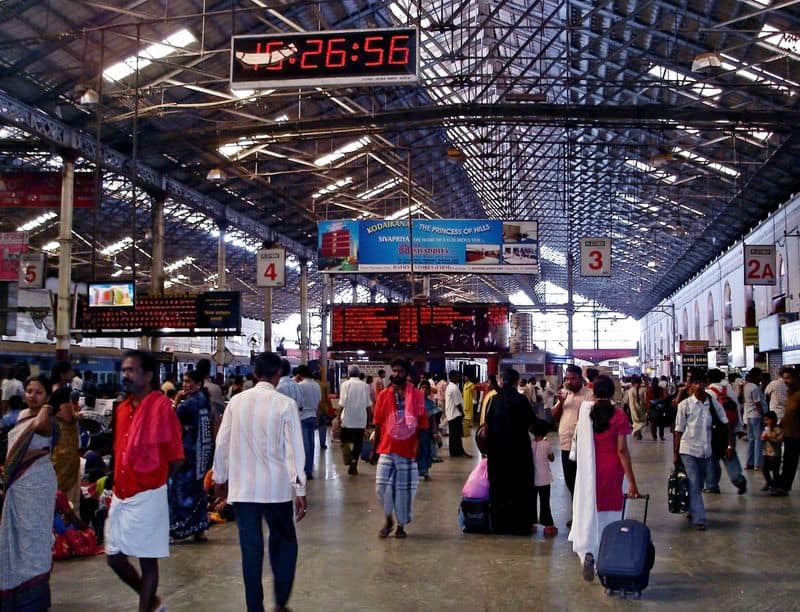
{"x":336,"y":57}
{"x":205,"y":314}
{"x":429,"y":327}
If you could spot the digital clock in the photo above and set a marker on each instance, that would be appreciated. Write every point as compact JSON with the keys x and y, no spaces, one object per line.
{"x":337,"y":57}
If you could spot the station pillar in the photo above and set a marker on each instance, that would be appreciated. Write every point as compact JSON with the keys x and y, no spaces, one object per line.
{"x":157,"y":261}
{"x":222,"y":280}
{"x":64,"y":298}
{"x":304,"y":311}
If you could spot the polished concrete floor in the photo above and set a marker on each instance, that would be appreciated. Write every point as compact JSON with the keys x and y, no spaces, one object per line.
{"x":746,"y":560}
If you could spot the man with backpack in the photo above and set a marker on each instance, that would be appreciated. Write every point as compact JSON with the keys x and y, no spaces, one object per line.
{"x":723,"y":393}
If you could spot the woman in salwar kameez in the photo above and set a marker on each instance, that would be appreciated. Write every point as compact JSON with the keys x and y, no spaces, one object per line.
{"x":26,"y":526}
{"x":188,"y":503}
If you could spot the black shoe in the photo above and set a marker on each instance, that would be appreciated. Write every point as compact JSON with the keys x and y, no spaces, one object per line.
{"x":400,"y":532}
{"x":776,"y":492}
{"x":324,"y":446}
{"x":309,"y":477}
{"x":714,"y":490}
{"x":588,"y":567}
{"x":352,"y":470}
{"x":569,"y":523}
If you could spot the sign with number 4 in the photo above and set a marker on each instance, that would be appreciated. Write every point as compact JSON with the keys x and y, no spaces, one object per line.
{"x":595,"y":256}
{"x":759,"y":264}
{"x":271,"y":267}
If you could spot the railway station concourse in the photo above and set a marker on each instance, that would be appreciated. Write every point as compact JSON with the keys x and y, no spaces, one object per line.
{"x":151,"y":151}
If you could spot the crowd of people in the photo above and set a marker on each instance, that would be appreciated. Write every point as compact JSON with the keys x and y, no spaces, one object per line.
{"x":181,"y":455}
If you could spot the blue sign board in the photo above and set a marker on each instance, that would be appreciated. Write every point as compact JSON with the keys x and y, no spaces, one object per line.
{"x":482,"y":246}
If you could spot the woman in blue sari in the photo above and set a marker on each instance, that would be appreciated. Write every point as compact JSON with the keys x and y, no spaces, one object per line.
{"x":188,"y":505}
{"x":26,"y":527}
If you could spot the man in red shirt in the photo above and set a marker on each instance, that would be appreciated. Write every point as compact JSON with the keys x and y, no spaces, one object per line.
{"x":147,"y":449}
{"x":399,"y":416}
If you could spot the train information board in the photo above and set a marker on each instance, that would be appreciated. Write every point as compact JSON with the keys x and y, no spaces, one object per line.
{"x":205,"y":314}
{"x":427,"y":327}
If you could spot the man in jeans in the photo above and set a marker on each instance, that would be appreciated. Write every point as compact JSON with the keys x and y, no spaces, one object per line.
{"x":308,"y":414}
{"x":754,"y":408}
{"x":259,"y":466}
{"x":692,"y":442}
{"x":721,"y":392}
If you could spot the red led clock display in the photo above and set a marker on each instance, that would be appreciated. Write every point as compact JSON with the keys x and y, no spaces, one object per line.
{"x":348,"y":57}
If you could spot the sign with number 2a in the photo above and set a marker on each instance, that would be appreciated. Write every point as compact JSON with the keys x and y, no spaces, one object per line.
{"x":595,"y":256}
{"x":759,"y":264}
{"x":271,"y":267}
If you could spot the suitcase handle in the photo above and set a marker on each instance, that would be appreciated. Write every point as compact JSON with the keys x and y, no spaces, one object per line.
{"x":646,"y":499}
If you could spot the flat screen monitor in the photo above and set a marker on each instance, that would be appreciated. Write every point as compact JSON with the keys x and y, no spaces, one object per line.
{"x":112,"y":294}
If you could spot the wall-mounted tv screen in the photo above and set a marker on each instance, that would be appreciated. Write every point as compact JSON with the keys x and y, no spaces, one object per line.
{"x":111,"y":294}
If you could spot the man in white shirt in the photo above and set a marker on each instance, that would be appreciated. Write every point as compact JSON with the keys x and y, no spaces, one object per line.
{"x":454,"y":413}
{"x":308,"y":415}
{"x":692,"y":442}
{"x":565,"y":413}
{"x":11,"y":386}
{"x":260,"y":456}
{"x":354,"y":402}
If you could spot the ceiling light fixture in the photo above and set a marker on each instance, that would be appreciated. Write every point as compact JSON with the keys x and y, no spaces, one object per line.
{"x":707,"y":61}
{"x":216,"y":175}
{"x":90,"y":98}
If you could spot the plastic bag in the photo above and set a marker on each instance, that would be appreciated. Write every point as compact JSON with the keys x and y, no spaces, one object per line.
{"x":477,"y":485}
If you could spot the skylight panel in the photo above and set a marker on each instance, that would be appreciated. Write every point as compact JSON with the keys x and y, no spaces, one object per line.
{"x":341,"y":152}
{"x":117,"y":247}
{"x":378,"y":189}
{"x":699,"y":159}
{"x":37,"y":222}
{"x":669,"y":75}
{"x":553,"y":256}
{"x":169,"y":46}
{"x":332,"y":187}
{"x":772,"y":37}
{"x":651,"y":170}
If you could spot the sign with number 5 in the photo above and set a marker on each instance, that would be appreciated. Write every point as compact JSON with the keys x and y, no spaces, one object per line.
{"x":31,"y":270}
{"x":271,"y":267}
{"x":595,"y":256}
{"x":759,"y":264}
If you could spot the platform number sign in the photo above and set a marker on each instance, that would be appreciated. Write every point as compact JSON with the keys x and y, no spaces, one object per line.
{"x":32,"y":270}
{"x":595,"y":256}
{"x":271,"y":267}
{"x":759,"y":264}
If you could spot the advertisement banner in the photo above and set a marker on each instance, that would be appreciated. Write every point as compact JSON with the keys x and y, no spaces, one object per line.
{"x":483,"y":246}
{"x":43,"y":190}
{"x":12,"y":245}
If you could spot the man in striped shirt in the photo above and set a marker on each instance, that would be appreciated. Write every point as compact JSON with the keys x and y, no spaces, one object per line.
{"x":258,"y":466}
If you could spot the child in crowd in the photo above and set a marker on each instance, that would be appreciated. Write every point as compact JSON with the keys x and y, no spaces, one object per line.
{"x":773,"y":439}
{"x":542,"y":457}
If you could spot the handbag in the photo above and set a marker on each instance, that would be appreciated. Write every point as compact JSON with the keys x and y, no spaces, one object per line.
{"x":719,"y":432}
{"x":678,"y":491}
{"x":573,"y":449}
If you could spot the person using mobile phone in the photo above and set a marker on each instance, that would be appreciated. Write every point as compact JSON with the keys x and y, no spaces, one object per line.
{"x":30,"y":498}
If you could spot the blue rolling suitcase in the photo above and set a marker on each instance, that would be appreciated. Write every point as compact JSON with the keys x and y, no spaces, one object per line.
{"x":626,"y":555}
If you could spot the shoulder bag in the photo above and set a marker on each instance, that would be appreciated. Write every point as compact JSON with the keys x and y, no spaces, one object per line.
{"x":719,"y":432}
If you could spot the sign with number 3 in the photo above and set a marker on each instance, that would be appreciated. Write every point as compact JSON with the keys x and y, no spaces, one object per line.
{"x":595,"y":256}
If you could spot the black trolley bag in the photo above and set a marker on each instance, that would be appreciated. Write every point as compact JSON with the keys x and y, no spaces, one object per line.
{"x":626,"y":555}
